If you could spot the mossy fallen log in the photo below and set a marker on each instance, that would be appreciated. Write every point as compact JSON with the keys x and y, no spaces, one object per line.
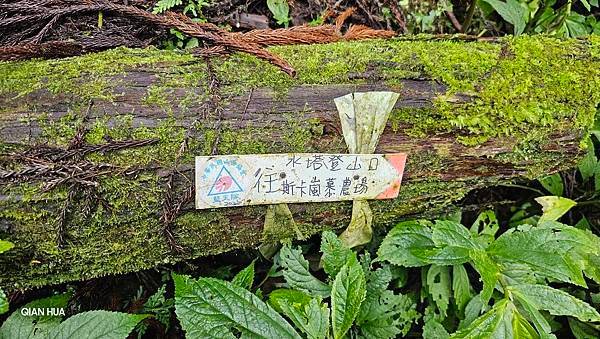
{"x":97,"y":151}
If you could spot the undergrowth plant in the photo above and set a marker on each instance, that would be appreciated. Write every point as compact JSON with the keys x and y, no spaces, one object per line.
{"x":4,"y":246}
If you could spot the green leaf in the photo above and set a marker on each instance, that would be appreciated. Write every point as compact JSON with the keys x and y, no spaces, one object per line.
{"x":587,"y":165}
{"x":209,"y":308}
{"x":434,"y":330}
{"x":384,"y":314}
{"x":165,"y":5}
{"x":245,"y":277}
{"x":297,"y":275}
{"x":582,"y":330}
{"x":472,"y":312}
{"x":3,"y":302}
{"x":311,"y":318}
{"x":35,"y":326}
{"x":541,"y":324}
{"x":335,"y":254}
{"x":554,"y":207}
{"x":461,"y":287}
{"x":586,"y":4}
{"x":405,"y":239}
{"x":97,"y":325}
{"x":553,"y":184}
{"x":280,"y":10}
{"x":453,"y":234}
{"x":489,"y":272}
{"x":288,"y":296}
{"x":347,"y":294}
{"x":521,"y":328}
{"x":513,"y":12}
{"x":486,"y":326}
{"x":556,"y":302}
{"x":486,"y":225}
{"x":5,"y":246}
{"x":543,"y":250}
{"x":576,"y":25}
{"x":438,"y":285}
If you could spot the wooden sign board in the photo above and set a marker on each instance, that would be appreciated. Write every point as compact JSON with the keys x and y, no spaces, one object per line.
{"x":242,"y":180}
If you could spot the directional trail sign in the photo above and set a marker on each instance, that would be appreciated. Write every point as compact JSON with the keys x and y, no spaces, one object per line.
{"x":241,"y":180}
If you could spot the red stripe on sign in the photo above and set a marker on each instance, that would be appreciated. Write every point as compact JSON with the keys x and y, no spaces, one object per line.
{"x":398,"y":160}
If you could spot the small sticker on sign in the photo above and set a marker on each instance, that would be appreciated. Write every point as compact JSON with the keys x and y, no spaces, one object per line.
{"x":242,"y":180}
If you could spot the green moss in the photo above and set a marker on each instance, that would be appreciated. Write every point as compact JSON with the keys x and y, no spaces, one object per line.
{"x":527,"y":88}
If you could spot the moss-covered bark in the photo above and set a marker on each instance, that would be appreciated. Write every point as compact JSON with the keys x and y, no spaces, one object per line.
{"x":471,"y":114}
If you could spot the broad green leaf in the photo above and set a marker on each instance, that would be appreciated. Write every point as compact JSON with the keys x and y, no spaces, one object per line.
{"x":553,"y":184}
{"x":541,"y":324}
{"x":97,"y":325}
{"x":36,"y":326}
{"x":582,"y":330}
{"x":517,"y":273}
{"x":461,"y":287}
{"x":405,"y":239}
{"x":434,"y":330}
{"x":209,"y":308}
{"x":521,"y":328}
{"x":587,"y":165}
{"x":486,"y":225}
{"x":489,"y":272}
{"x":513,"y":12}
{"x":487,"y":325}
{"x":335,"y":254}
{"x":289,"y":296}
{"x":576,"y":26}
{"x":438,"y":285}
{"x":472,"y":311}
{"x":347,"y":294}
{"x":297,"y":275}
{"x":449,"y":233}
{"x":384,"y":314}
{"x":3,"y":302}
{"x":311,"y":318}
{"x":443,"y":256}
{"x":280,"y":10}
{"x":554,"y":207}
{"x":556,"y":302}
{"x":5,"y":246}
{"x":541,"y":249}
{"x":586,"y":4}
{"x":245,"y":277}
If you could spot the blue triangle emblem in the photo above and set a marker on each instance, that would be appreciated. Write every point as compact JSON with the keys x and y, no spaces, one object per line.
{"x":224,"y":183}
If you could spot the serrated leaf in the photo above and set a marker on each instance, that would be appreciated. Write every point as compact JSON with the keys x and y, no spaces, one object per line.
{"x":472,"y":311}
{"x":165,"y":5}
{"x":489,"y":272}
{"x":541,"y":249}
{"x":438,"y":286}
{"x":553,"y":184}
{"x":513,"y":12}
{"x":554,"y":207}
{"x":486,"y":225}
{"x":289,"y":296}
{"x":582,"y":330}
{"x":405,"y":239}
{"x":209,"y":308}
{"x":311,"y":318}
{"x":97,"y":325}
{"x":245,"y":277}
{"x":516,"y":273}
{"x":461,"y":287}
{"x":556,"y":302}
{"x":36,"y":326}
{"x":5,"y":246}
{"x":335,"y":254}
{"x":449,"y":233}
{"x":487,"y":325}
{"x":3,"y":302}
{"x":434,"y":330}
{"x":297,"y":275}
{"x":521,"y":328}
{"x":541,"y":324}
{"x":347,"y":294}
{"x":587,"y":165}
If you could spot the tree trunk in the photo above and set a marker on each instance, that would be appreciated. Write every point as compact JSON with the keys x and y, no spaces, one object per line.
{"x":96,"y":152}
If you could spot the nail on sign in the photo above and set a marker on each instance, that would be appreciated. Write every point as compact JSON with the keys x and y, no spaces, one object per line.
{"x":241,"y":180}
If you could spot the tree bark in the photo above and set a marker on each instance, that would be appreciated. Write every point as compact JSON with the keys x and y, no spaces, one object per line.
{"x":96,"y":152}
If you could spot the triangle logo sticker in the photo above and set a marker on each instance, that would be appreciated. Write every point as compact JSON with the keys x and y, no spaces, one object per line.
{"x":225,"y":183}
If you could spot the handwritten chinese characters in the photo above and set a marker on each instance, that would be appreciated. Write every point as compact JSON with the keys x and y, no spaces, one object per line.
{"x":238,"y":180}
